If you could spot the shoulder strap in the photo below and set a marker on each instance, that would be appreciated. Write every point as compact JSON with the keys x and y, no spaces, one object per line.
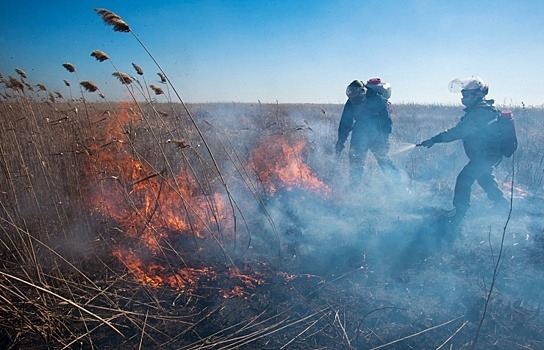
{"x":497,"y":116}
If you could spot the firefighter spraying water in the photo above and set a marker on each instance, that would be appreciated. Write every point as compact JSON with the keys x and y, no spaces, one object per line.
{"x":484,"y":142}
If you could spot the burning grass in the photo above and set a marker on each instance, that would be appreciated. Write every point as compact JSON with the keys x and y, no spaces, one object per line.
{"x":230,"y":226}
{"x":127,"y":242}
{"x":280,"y":162}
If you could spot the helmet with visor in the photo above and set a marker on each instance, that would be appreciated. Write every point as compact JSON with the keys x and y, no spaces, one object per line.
{"x":355,"y":88}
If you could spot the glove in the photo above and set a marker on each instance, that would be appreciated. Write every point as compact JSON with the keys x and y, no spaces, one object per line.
{"x":427,"y":143}
{"x":338,"y":147}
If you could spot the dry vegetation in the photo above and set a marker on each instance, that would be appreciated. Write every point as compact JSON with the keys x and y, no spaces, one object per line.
{"x":152,"y":225}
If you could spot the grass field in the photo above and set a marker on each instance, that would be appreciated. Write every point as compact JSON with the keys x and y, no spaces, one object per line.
{"x":156,"y":224}
{"x":128,"y":225}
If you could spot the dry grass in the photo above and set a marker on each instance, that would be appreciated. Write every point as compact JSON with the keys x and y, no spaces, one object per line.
{"x":72,"y":287}
{"x":123,"y":77}
{"x":69,"y":67}
{"x":100,"y":56}
{"x":114,"y":20}
{"x":89,"y":257}
{"x":89,"y":86}
{"x":138,"y":69}
{"x":20,"y":72}
{"x":156,"y":89}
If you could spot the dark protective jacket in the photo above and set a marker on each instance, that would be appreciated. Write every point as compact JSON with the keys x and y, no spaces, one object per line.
{"x":371,"y":117}
{"x":481,"y":137}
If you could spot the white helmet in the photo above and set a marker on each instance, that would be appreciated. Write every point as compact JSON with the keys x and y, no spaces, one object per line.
{"x":355,"y":88}
{"x":376,"y":85}
{"x":472,"y":83}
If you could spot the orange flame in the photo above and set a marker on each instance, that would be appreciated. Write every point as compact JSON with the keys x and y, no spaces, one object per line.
{"x":155,"y":275}
{"x":142,"y":200}
{"x":248,"y":280}
{"x":278,"y":163}
{"x":148,"y":204}
{"x":518,"y":191}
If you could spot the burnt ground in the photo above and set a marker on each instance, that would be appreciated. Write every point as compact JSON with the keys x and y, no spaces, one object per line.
{"x":371,"y":266}
{"x":365,"y":275}
{"x":352,"y":272}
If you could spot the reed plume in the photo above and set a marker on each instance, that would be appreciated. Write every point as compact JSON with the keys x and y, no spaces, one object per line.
{"x":112,"y":19}
{"x":156,"y":89}
{"x":14,"y":84}
{"x":89,"y":85}
{"x":137,"y":68}
{"x":66,"y":82}
{"x":99,"y":55}
{"x":59,"y":95}
{"x":69,"y":67}
{"x":28,"y":86}
{"x":20,"y":72}
{"x":162,"y":77}
{"x":41,"y":87}
{"x":123,"y":77}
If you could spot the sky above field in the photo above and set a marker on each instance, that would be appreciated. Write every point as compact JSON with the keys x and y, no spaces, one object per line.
{"x":304,"y":51}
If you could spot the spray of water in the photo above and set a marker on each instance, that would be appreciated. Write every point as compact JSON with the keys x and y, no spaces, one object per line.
{"x":403,"y":147}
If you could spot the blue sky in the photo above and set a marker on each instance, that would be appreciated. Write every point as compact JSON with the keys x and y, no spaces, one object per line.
{"x":289,"y":51}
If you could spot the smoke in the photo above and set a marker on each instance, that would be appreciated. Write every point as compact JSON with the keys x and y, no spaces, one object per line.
{"x":353,"y":226}
{"x":385,"y":240}
{"x":389,"y":236}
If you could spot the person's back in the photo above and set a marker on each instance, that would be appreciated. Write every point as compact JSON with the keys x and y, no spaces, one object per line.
{"x":366,"y":116}
{"x":375,"y":114}
{"x":484,"y":141}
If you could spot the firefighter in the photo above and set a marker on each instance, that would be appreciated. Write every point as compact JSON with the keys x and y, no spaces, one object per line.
{"x":366,"y":116}
{"x":476,"y":129}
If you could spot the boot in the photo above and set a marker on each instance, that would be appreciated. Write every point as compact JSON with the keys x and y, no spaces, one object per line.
{"x":456,"y":219}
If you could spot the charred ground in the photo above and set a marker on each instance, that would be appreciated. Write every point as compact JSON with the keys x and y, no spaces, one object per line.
{"x":124,"y":228}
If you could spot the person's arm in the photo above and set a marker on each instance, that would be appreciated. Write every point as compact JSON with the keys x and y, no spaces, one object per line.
{"x":344,"y":128}
{"x":383,"y":110}
{"x":465,"y":127}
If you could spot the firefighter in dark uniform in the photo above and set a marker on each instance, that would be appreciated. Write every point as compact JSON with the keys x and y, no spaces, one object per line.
{"x":366,"y":116}
{"x":480,"y":140}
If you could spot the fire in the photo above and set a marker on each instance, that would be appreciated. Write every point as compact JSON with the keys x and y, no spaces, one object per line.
{"x":518,"y":191}
{"x":155,"y":275}
{"x":150,"y":205}
{"x":249,"y":280}
{"x":153,"y":208}
{"x":236,"y":291}
{"x":144,"y":201}
{"x":277,"y":162}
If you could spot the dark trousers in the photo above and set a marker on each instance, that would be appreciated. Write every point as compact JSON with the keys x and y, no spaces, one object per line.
{"x":480,"y":170}
{"x":359,"y":147}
